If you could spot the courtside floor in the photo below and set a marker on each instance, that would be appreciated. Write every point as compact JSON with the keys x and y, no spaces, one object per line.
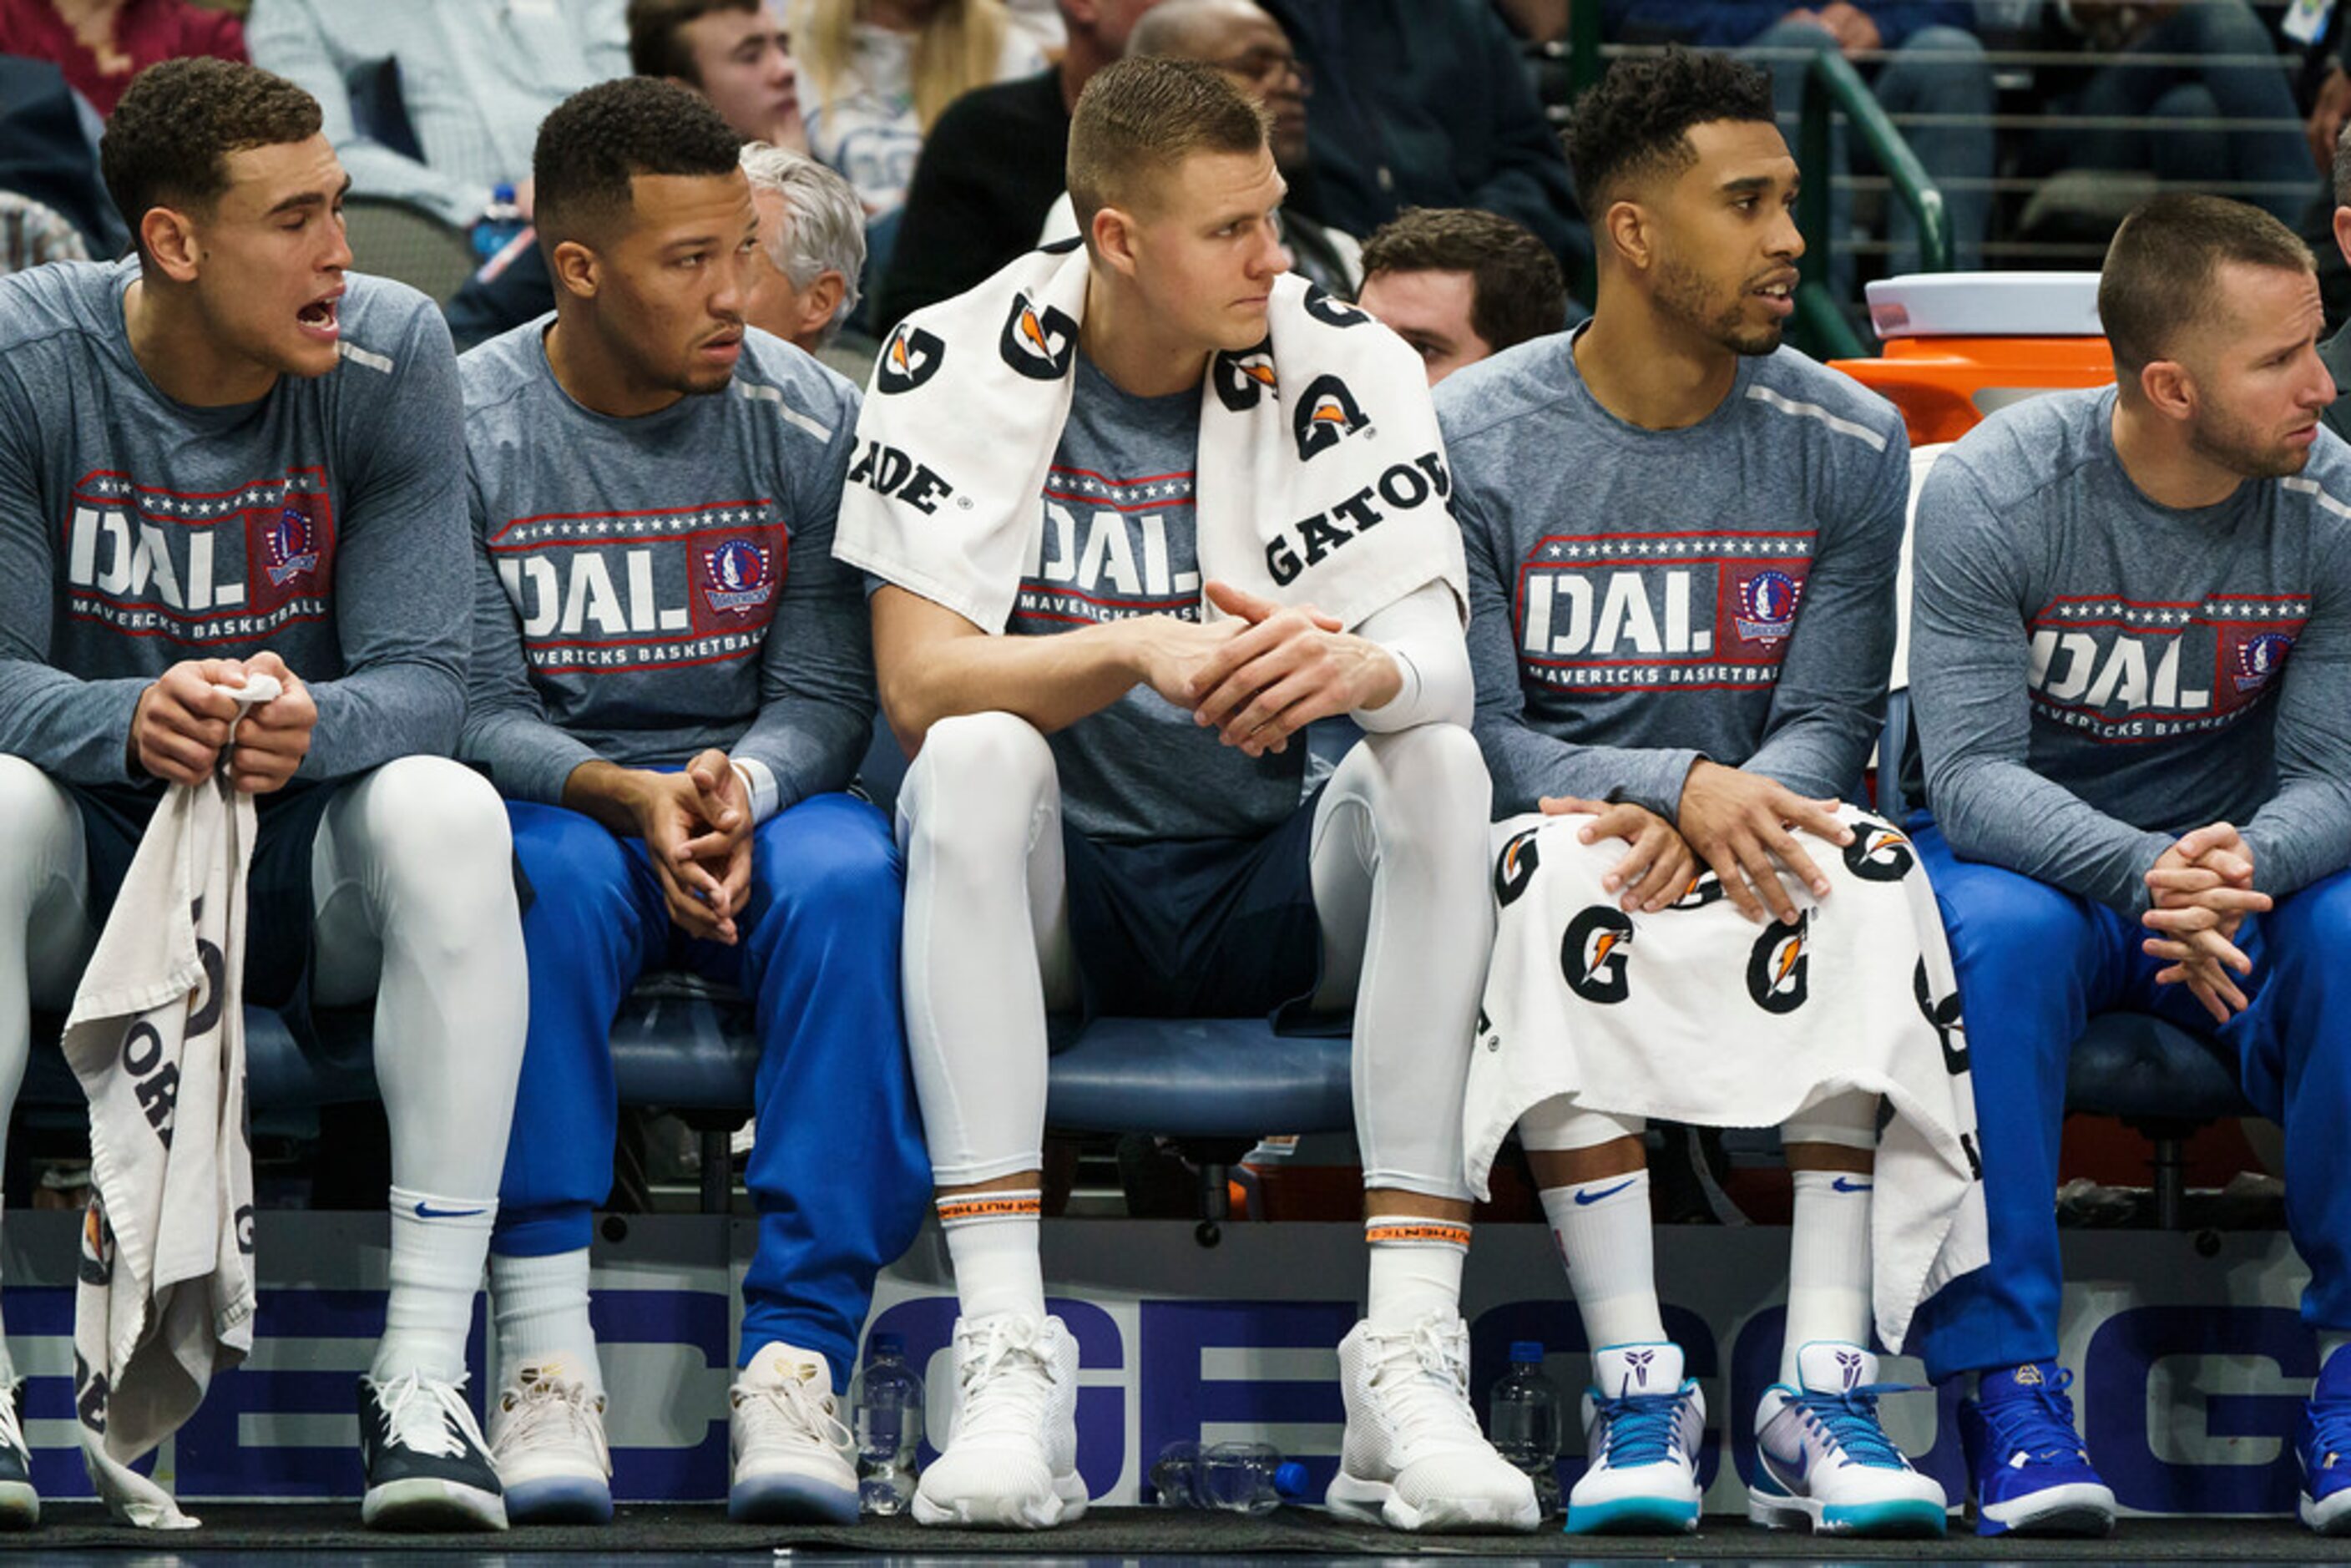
{"x":288,"y":1535}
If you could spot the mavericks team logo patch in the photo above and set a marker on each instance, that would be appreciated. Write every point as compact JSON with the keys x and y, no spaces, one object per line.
{"x":1327,"y":413}
{"x":291,"y":543}
{"x":910,"y":358}
{"x":1779,"y":968}
{"x":1038,"y":341}
{"x":738,"y":576}
{"x":2259,"y":658}
{"x":1767,"y":606}
{"x":1593,"y":954}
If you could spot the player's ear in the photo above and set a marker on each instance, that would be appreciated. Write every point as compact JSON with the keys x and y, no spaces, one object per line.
{"x":1629,"y":232}
{"x":2168,"y":388}
{"x":169,"y":238}
{"x":1113,"y":236}
{"x":578,"y":272}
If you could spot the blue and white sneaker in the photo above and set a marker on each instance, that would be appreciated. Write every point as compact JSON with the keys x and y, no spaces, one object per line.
{"x":547,"y":1438}
{"x":1823,"y":1462}
{"x":427,"y":1465}
{"x":2026,"y":1465}
{"x":2323,"y":1447}
{"x":1642,"y":1425}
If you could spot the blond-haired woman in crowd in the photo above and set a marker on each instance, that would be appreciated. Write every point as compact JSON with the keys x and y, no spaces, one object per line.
{"x":875,"y":74}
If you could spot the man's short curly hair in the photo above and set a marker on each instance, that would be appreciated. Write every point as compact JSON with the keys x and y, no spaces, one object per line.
{"x":597,"y":140}
{"x":1635,"y":124}
{"x":169,"y":141}
{"x":1517,"y":290}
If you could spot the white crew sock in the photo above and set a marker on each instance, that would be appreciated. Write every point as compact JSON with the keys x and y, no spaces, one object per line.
{"x":1415,"y":1269}
{"x":539,"y":1306}
{"x":992,"y":1244}
{"x":1828,"y":1265}
{"x":437,"y":1248}
{"x":1602,"y":1231}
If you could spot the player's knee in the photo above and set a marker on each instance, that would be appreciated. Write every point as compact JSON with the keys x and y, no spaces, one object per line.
{"x":982,"y":776}
{"x":440,"y":835}
{"x":1436,"y":796}
{"x":2318,"y":920}
{"x":849,"y":872}
{"x":36,"y":817}
{"x":2001,"y":919}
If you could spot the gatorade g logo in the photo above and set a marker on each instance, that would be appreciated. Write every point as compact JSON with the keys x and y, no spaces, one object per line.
{"x":1038,"y":341}
{"x":1943,"y":1016}
{"x":97,"y":1245}
{"x":1877,"y":852}
{"x":1779,"y":969}
{"x":1326,"y":415}
{"x":910,"y":358}
{"x":1242,"y":380}
{"x":1331,"y":313}
{"x":1516,"y":867}
{"x":1592,"y":955}
{"x":1704,"y":889}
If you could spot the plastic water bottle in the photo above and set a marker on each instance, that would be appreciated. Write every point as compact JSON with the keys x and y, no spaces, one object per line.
{"x":498,"y":225}
{"x":1227,"y":1478}
{"x":1522,"y":1417}
{"x":886,"y":1414}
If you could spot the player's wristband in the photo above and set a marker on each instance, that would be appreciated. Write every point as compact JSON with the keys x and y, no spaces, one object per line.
{"x":759,"y":787}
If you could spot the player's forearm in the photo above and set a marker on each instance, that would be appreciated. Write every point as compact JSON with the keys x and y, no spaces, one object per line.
{"x":1051,"y":682}
{"x":808,"y":746}
{"x":1528,"y":765}
{"x":70,"y":728}
{"x":2004,"y":814}
{"x":2301,"y":833}
{"x":608,"y":792}
{"x":369,"y":718}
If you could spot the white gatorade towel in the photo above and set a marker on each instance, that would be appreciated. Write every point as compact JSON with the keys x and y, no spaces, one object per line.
{"x":165,"y":1291}
{"x":1696,"y":1014}
{"x":1321,"y":475}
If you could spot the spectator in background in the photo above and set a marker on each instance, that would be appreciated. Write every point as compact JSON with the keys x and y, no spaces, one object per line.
{"x":2336,"y":349}
{"x":2225,"y":120}
{"x":474,"y":80}
{"x":49,"y":156}
{"x":993,"y":167}
{"x":102,"y":44}
{"x":812,"y":234}
{"x":735,"y":53}
{"x":1932,"y":67}
{"x":878,"y":73}
{"x":1426,"y":103}
{"x":1459,"y":286}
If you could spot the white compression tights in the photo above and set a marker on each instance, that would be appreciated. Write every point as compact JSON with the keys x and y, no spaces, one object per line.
{"x":411,"y":880}
{"x":1398,"y":863}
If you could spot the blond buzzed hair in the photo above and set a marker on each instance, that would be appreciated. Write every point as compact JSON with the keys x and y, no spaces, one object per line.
{"x":1138,"y":120}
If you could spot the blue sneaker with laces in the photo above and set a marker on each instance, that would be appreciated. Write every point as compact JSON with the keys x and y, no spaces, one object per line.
{"x":2323,"y":1447}
{"x":2026,"y":1465}
{"x":1642,"y":1425}
{"x":1823,"y":1462}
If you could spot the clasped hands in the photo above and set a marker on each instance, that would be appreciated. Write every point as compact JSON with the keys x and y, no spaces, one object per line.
{"x":2199,"y":890}
{"x":1266,"y":671}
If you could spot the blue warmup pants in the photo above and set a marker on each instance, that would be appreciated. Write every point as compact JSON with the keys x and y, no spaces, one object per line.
{"x":839,"y":1173}
{"x":2035,"y":964}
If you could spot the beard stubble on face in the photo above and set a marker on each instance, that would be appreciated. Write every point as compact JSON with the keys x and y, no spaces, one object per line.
{"x":1684,"y":293}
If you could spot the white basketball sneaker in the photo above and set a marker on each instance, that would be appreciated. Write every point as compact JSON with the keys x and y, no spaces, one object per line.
{"x":1642,"y":1425}
{"x":1823,"y":1462}
{"x":1414,"y":1457}
{"x":1011,"y":1459}
{"x":546,"y":1439}
{"x":794,"y":1460}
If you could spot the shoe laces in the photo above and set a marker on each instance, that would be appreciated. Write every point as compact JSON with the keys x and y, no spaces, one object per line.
{"x":12,"y":1435}
{"x":1849,"y":1421}
{"x":795,"y":1410}
{"x":1640,"y":1429}
{"x":542,"y":1411}
{"x":1005,"y":1377}
{"x":2330,"y":1430}
{"x":1423,"y":1374}
{"x":2037,"y":1422}
{"x":419,"y":1412}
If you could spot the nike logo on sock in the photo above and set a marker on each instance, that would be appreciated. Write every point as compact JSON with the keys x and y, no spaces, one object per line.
{"x":423,"y":1212}
{"x":1585,"y":1199}
{"x":1841,"y":1184}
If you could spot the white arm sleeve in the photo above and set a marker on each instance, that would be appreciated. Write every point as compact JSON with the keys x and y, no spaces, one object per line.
{"x":1422,"y":633}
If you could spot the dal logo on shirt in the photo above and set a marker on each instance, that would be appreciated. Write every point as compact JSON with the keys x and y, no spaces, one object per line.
{"x":2125,"y":670}
{"x":641,"y":590}
{"x":197,"y":565}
